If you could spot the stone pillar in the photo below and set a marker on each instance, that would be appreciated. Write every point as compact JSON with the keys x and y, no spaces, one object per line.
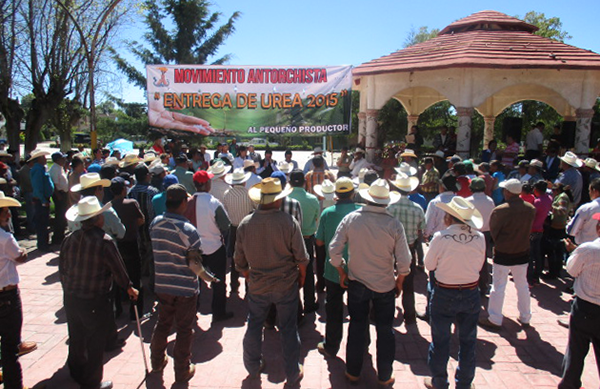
{"x":582,"y":134}
{"x":372,"y":132}
{"x":488,"y":130}
{"x":463,"y":136}
{"x":362,"y":128}
{"x":412,"y":121}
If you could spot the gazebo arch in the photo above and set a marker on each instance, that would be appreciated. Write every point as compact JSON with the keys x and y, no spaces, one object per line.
{"x":416,"y":100}
{"x":483,"y":61}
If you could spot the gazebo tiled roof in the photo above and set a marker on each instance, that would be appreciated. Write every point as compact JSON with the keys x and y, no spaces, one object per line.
{"x":486,"y":39}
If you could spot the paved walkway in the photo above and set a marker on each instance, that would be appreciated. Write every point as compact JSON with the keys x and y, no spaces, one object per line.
{"x":513,"y":358}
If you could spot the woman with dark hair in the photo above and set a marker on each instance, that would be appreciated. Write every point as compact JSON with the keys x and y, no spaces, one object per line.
{"x":489,"y":154}
{"x":554,"y":231}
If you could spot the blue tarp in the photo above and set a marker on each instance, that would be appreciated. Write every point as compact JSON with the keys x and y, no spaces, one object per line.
{"x":123,"y":145}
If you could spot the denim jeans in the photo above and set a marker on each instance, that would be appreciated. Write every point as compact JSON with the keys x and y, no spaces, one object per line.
{"x":11,"y":321}
{"x":556,"y":253}
{"x":334,"y":309}
{"x":536,"y":259}
{"x":286,"y":303}
{"x":359,"y":299}
{"x":453,"y":306}
{"x":41,"y":221}
{"x":583,"y":330}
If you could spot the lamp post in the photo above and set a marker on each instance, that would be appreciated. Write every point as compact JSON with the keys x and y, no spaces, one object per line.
{"x":90,"y":54}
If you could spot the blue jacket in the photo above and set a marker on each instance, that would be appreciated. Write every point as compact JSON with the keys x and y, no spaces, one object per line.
{"x":41,"y":183}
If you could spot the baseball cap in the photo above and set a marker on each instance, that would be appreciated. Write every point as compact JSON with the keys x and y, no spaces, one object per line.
{"x":343,"y":185}
{"x":58,"y":155}
{"x":202,"y":176}
{"x":281,"y":176}
{"x":181,"y":158}
{"x":513,"y":185}
{"x":296,"y":177}
{"x":117,"y":184}
{"x":157,"y":169}
{"x":477,"y":184}
{"x":176,"y":193}
{"x":169,"y":180}
{"x":94,"y":168}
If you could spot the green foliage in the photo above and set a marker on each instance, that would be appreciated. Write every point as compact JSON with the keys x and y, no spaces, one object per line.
{"x":118,"y":119}
{"x":392,"y":122}
{"x":548,"y":27}
{"x":194,"y":38}
{"x":421,"y":35}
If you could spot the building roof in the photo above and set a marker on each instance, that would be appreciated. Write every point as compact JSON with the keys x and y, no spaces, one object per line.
{"x":486,"y":39}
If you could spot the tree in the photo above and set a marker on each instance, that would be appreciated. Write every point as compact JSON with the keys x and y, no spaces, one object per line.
{"x":421,"y":35}
{"x":192,"y":40}
{"x":548,"y":27}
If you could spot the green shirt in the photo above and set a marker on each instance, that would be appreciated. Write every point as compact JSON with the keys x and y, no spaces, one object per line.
{"x":311,"y":210}
{"x":186,"y":178}
{"x":330,"y":219}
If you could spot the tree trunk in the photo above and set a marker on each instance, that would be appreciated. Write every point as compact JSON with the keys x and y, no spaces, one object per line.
{"x":37,"y":116}
{"x":13,"y":113}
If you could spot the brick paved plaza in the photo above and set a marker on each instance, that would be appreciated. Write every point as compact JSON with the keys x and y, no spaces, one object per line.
{"x":513,"y":358}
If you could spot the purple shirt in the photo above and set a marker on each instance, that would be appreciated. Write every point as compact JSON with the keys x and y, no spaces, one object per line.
{"x":543,"y":205}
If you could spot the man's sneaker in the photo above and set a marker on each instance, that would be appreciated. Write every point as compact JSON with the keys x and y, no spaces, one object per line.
{"x":428,"y":381}
{"x":488,"y":325}
{"x":27,"y":347}
{"x":352,"y":378}
{"x":185,"y":377}
{"x":159,"y":368}
{"x":388,"y":382}
{"x":563,"y":322}
{"x":106,"y":385}
{"x":296,"y":382}
{"x":322,"y":349}
{"x":522,"y":323}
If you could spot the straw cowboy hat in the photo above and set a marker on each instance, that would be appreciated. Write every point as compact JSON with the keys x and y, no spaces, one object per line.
{"x":405,"y":182}
{"x":317,"y":150}
{"x":249,"y":162}
{"x":536,"y":163}
{"x":379,"y":193}
{"x":219,"y":169}
{"x":35,"y":154}
{"x":8,"y":201}
{"x":5,"y":154}
{"x":150,"y":156}
{"x":592,"y":163}
{"x":237,"y":177}
{"x":86,"y":208}
{"x":326,"y":189}
{"x":112,"y":161}
{"x":359,"y":150}
{"x":361,"y":176}
{"x":408,"y":153}
{"x":406,"y":169}
{"x":129,"y":159}
{"x":463,"y":210}
{"x":571,"y":159}
{"x":89,"y":180}
{"x":286,"y":167}
{"x":268,"y":191}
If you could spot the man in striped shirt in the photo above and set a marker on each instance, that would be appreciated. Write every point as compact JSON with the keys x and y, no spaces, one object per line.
{"x":176,"y":286}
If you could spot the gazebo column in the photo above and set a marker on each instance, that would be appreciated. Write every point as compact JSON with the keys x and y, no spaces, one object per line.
{"x":412,"y":121}
{"x":463,"y":139}
{"x":372,"y":132}
{"x":362,"y":128}
{"x":582,"y":134}
{"x":488,"y":130}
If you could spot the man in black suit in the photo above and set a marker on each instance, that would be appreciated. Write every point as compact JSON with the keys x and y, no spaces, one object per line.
{"x":551,"y":164}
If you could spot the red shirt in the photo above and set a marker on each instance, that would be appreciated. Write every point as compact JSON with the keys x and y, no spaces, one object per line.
{"x":159,"y":149}
{"x":463,"y":182}
{"x":529,"y":198}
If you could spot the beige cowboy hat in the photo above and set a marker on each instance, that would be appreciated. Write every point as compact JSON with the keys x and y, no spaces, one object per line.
{"x":326,"y":189}
{"x":359,"y":150}
{"x":150,"y":156}
{"x":570,"y":158}
{"x":591,"y":163}
{"x":112,"y":161}
{"x":405,"y":168}
{"x":86,"y":208}
{"x":8,"y":201}
{"x":317,"y":150}
{"x":35,"y":154}
{"x":237,"y":177}
{"x":286,"y":167}
{"x":361,"y":176}
{"x":249,"y":162}
{"x":379,"y":193}
{"x":463,"y":210}
{"x":219,"y":169}
{"x":268,"y":191}
{"x":537,"y":163}
{"x":408,"y":153}
{"x":5,"y":154}
{"x":406,"y":183}
{"x":129,"y":159}
{"x":89,"y":180}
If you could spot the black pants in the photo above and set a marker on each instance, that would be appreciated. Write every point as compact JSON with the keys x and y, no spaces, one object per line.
{"x":11,"y":321}
{"x":133,"y":263}
{"x":334,"y":308}
{"x":583,"y":330}
{"x":234,"y":275}
{"x":41,"y":220}
{"x":309,"y":283}
{"x":217,"y":264}
{"x":61,"y":203}
{"x":88,"y":321}
{"x":408,"y":287}
{"x":484,"y":273}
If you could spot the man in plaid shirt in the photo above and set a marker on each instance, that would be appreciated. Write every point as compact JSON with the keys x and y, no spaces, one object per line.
{"x":317,"y":175}
{"x":412,"y":217}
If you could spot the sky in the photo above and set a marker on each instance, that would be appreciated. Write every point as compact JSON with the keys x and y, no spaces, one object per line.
{"x":351,"y":32}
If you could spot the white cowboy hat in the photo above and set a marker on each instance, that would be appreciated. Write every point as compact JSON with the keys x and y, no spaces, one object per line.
{"x":112,"y":161}
{"x":406,"y":169}
{"x":129,"y":159}
{"x":286,"y":167}
{"x":359,"y":150}
{"x":326,"y":189}
{"x":268,"y":191}
{"x":591,"y":163}
{"x":249,"y":162}
{"x":536,"y":163}
{"x":219,"y":169}
{"x":361,"y":176}
{"x":317,"y":150}
{"x":405,"y":183}
{"x":571,"y":159}
{"x":237,"y":177}
{"x":88,"y":180}
{"x":439,"y":154}
{"x":86,"y":208}
{"x":408,"y":153}
{"x":150,"y":156}
{"x":379,"y":193}
{"x":8,"y":201}
{"x":35,"y":154}
{"x":463,"y":210}
{"x":5,"y":154}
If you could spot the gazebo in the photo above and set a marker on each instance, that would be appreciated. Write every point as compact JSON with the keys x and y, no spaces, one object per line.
{"x":486,"y":62}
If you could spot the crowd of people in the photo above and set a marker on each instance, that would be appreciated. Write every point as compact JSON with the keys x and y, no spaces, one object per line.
{"x":154,"y":226}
